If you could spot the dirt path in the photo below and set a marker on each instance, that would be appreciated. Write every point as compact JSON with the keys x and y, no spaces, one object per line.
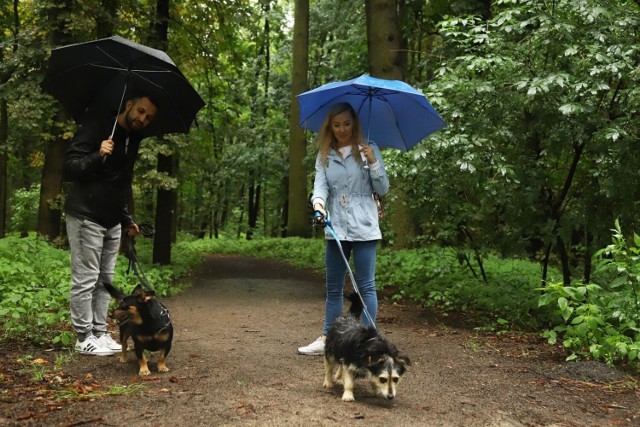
{"x":234,"y":362}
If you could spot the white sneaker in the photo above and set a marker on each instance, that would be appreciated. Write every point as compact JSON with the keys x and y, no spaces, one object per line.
{"x":316,"y":348}
{"x":106,"y":341}
{"x":91,"y":347}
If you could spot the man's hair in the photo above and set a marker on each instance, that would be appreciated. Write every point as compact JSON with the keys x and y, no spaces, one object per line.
{"x":139,"y":95}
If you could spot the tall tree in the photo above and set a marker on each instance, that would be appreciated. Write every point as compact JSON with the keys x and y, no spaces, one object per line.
{"x":166,"y":203}
{"x":4,"y":133}
{"x":5,"y":74}
{"x":387,"y":59}
{"x":297,"y":222}
{"x":384,"y":39}
{"x":105,"y":19}
{"x":49,"y":212}
{"x":541,"y":137}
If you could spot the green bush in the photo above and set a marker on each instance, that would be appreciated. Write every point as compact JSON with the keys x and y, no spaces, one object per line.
{"x":34,"y":296}
{"x":24,"y":209}
{"x":601,"y":321}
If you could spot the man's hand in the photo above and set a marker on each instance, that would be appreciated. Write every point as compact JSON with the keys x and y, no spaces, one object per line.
{"x":106,"y":147}
{"x":132,"y":230}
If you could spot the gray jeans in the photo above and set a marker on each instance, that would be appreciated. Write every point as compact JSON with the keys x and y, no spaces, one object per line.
{"x":94,"y":251}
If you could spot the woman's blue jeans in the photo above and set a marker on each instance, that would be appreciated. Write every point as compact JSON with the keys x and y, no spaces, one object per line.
{"x":364,"y":260}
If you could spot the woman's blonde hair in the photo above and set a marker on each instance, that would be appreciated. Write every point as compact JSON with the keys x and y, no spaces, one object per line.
{"x":326,"y":140}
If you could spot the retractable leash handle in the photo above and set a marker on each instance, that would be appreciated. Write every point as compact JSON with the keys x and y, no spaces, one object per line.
{"x":325,"y":221}
{"x":319,"y":220}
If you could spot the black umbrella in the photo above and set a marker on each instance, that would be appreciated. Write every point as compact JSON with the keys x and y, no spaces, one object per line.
{"x":97,"y":76}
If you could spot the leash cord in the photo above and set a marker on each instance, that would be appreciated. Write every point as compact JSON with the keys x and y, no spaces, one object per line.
{"x":137,"y":271}
{"x":320,"y":219}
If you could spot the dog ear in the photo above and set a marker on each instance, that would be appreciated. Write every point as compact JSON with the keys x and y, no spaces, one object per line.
{"x":146,"y":296}
{"x":114,"y":292}
{"x":404,"y":359}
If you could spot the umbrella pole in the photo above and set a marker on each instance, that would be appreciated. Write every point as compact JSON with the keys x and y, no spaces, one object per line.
{"x":119,"y":108}
{"x":366,"y":164}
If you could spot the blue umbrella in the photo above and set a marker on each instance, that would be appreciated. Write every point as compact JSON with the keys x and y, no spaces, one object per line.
{"x":392,"y":113}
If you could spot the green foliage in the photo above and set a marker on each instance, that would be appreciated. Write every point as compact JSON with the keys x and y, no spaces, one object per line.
{"x":540,"y":100}
{"x":34,"y":296}
{"x":436,"y":278}
{"x":601,"y":321}
{"x":305,"y":253}
{"x":24,"y":209}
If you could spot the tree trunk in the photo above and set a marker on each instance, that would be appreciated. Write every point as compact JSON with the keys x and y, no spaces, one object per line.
{"x":555,"y":215}
{"x":50,"y":210}
{"x":105,"y":18}
{"x":258,"y":109}
{"x":165,"y":203}
{"x":4,"y":133}
{"x":588,"y":254}
{"x":4,"y":128}
{"x":386,"y":60}
{"x":297,"y":223}
{"x":49,"y":215}
{"x":253,"y":207}
{"x":384,"y":39}
{"x":164,"y":216}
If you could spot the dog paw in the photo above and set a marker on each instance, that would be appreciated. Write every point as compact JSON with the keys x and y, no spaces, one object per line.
{"x":327,"y":384}
{"x":348,"y":397}
{"x":163,"y":369}
{"x":122,"y":359}
{"x":144,"y":372}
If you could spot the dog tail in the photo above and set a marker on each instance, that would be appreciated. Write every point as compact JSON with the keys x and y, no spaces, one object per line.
{"x":114,"y":292}
{"x":356,"y":304}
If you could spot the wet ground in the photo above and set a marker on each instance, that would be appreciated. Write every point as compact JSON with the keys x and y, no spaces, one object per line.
{"x":234,"y":362}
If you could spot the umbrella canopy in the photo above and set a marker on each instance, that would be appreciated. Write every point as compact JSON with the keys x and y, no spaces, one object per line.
{"x":392,"y":113}
{"x":96,"y":76}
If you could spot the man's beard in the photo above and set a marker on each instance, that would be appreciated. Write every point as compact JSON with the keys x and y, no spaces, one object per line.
{"x":132,"y":124}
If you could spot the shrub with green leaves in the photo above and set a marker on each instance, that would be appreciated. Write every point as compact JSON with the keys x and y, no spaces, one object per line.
{"x":24,"y":209}
{"x":34,"y":296}
{"x":601,"y":321}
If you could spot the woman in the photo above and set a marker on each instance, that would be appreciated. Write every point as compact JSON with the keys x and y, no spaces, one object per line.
{"x":348,"y":171}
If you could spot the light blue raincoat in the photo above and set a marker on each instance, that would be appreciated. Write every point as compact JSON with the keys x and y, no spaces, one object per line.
{"x":346,"y":188}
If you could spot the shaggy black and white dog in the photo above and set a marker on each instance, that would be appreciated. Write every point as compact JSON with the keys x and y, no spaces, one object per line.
{"x":353,"y":350}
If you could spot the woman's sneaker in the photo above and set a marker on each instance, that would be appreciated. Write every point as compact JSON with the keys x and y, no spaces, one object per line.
{"x":316,"y":348}
{"x":106,"y":341}
{"x":91,"y":347}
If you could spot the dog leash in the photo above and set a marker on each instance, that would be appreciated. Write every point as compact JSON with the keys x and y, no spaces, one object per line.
{"x":321,"y":220}
{"x":146,"y":231}
{"x":135,"y":265}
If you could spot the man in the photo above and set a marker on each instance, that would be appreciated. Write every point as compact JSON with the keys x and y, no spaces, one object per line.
{"x":100,"y":169}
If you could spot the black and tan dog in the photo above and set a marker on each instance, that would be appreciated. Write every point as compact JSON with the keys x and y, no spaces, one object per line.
{"x":360,"y":351}
{"x":142,"y":317}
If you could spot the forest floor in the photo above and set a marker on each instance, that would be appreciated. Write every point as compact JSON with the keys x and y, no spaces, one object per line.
{"x":234,"y":362}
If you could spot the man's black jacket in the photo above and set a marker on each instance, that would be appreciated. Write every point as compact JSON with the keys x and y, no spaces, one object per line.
{"x":100,"y":187}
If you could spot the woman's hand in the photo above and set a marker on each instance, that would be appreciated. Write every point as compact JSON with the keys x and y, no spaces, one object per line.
{"x":368,"y":152}
{"x":318,"y":207}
